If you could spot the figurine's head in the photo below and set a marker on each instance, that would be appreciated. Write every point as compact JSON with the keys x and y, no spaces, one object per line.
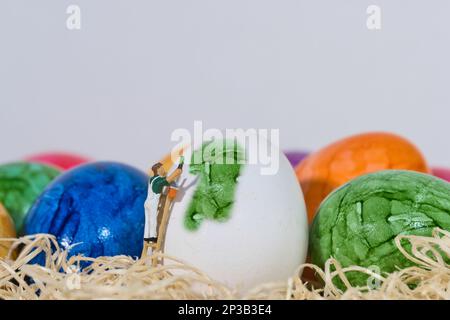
{"x":158,"y":170}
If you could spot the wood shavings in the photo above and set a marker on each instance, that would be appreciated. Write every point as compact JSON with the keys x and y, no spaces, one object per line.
{"x":122,"y":277}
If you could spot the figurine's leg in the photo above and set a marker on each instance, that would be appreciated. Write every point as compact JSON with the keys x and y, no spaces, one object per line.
{"x":153,"y":219}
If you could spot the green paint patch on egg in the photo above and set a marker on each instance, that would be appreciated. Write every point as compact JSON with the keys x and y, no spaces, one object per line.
{"x":218,"y":165}
{"x":357,"y":223}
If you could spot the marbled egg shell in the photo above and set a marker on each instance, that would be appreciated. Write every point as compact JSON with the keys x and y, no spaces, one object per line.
{"x":98,"y":205}
{"x":260,"y":237}
{"x":441,"y":173}
{"x":6,"y":231}
{"x":357,"y":223}
{"x":20,"y":185}
{"x":323,"y":171}
{"x":61,"y":160}
{"x":295,"y":157}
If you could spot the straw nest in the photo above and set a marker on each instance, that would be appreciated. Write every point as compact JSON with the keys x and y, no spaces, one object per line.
{"x":122,"y":277}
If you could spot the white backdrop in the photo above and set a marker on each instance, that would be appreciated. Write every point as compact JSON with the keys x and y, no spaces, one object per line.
{"x":138,"y":69}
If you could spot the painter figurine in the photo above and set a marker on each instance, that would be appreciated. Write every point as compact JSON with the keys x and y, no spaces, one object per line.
{"x":152,"y":205}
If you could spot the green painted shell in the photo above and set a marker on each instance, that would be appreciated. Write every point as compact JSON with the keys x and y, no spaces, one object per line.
{"x":20,"y":185}
{"x":218,"y":165}
{"x":357,"y":223}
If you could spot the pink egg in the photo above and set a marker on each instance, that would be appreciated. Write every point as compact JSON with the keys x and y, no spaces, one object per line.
{"x":61,"y":160}
{"x":441,"y":173}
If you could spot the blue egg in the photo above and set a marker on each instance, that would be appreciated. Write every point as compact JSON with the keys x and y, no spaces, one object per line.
{"x":98,"y":206}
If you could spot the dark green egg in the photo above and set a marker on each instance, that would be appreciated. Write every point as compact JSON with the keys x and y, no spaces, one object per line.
{"x":20,"y":185}
{"x":357,"y":223}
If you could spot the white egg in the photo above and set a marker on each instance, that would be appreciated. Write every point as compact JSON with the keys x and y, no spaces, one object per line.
{"x":265,"y":238}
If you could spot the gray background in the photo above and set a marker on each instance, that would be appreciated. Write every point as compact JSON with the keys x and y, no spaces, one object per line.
{"x":139,"y":69}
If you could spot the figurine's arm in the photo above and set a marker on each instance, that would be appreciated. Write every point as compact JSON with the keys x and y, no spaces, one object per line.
{"x":174,"y":175}
{"x":177,"y":171}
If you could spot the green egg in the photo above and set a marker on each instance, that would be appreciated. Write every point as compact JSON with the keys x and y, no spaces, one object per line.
{"x":20,"y":185}
{"x":357,"y":223}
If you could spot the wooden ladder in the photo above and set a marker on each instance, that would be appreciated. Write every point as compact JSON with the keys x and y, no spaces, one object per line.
{"x":165,"y":203}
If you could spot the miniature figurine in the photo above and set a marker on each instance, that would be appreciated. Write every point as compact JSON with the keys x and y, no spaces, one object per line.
{"x":154,"y":207}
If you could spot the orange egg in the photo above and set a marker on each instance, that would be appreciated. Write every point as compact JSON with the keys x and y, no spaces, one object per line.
{"x":7,"y":230}
{"x":325,"y":170}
